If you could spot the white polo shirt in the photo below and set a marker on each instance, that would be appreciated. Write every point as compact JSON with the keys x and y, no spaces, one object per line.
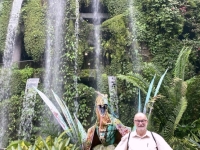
{"x":145,"y":142}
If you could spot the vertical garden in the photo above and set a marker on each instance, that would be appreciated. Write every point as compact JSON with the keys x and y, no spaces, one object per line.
{"x":139,"y":39}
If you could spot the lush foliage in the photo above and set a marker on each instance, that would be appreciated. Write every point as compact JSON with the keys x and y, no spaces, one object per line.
{"x":162,"y":27}
{"x":4,"y":18}
{"x":34,"y":28}
{"x":159,"y":24}
{"x":59,"y":143}
{"x":116,"y":8}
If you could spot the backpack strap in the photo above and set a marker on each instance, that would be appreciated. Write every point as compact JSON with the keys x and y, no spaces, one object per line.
{"x":128,"y":140}
{"x":154,"y":140}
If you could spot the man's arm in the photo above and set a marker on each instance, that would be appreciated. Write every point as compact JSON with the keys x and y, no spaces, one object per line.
{"x":161,"y":143}
{"x":123,"y":143}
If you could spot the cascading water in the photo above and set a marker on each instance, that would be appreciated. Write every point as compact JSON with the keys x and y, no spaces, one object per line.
{"x":96,"y":23}
{"x":54,"y":45}
{"x":134,"y":46}
{"x":134,"y":49}
{"x":76,"y":51}
{"x":53,"y":54}
{"x":0,"y":5}
{"x":25,"y":127}
{"x":7,"y":64}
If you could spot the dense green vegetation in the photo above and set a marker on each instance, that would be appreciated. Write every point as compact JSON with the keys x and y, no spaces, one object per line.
{"x":4,"y":18}
{"x":167,"y":33}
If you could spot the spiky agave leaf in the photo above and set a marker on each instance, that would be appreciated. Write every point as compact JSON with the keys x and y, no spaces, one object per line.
{"x":160,"y":82}
{"x":139,"y":101}
{"x":73,"y":124}
{"x":55,"y":112}
{"x":157,"y":89}
{"x":148,"y":94}
{"x":82,"y":132}
{"x":68,"y":116}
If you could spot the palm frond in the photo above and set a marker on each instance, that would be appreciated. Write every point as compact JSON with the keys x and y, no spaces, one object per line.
{"x":174,"y":118}
{"x":137,"y":80}
{"x":179,"y":111}
{"x":195,"y":143}
{"x":182,"y":144}
{"x":182,"y":62}
{"x":177,"y":91}
{"x":151,"y":69}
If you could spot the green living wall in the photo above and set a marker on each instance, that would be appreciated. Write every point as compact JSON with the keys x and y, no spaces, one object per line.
{"x":33,"y":14}
{"x":164,"y":26}
{"x":4,"y":18}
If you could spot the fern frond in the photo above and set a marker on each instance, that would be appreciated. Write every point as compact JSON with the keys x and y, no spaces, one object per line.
{"x":152,"y":69}
{"x":182,"y":62}
{"x":178,"y":90}
{"x":137,"y":80}
{"x":174,"y":118}
{"x":182,"y":144}
{"x":179,"y":111}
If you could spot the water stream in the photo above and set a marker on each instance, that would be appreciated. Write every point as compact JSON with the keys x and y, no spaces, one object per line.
{"x":96,"y":22}
{"x":28,"y":112}
{"x":1,"y":5}
{"x":7,"y":64}
{"x":134,"y":46}
{"x":76,"y":52}
{"x":134,"y":49}
{"x":54,"y":45}
{"x":55,"y":17}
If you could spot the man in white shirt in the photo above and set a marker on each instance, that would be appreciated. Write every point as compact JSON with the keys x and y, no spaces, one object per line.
{"x":141,"y":138}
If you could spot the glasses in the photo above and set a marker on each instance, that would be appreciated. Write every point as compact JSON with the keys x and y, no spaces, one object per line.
{"x":142,"y":121}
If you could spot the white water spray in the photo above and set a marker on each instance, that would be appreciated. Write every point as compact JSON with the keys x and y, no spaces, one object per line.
{"x":7,"y":64}
{"x":1,"y":5}
{"x":97,"y":42}
{"x":53,"y":54}
{"x":25,"y":127}
{"x":54,"y":45}
{"x":134,"y":46}
{"x":76,"y":51}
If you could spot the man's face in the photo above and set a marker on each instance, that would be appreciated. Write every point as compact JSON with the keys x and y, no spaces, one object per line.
{"x":140,"y":122}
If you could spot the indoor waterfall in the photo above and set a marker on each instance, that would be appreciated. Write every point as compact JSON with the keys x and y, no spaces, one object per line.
{"x":54,"y":45}
{"x":7,"y":64}
{"x":0,"y":5}
{"x":97,"y":43}
{"x":134,"y":50}
{"x":55,"y":17}
{"x":76,"y":51}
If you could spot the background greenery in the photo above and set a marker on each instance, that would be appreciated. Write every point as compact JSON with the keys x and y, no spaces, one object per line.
{"x":163,"y":28}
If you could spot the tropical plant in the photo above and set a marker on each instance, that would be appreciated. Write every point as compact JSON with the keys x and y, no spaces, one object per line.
{"x":72,"y":127}
{"x":57,"y":143}
{"x":170,"y":105}
{"x":167,"y":120}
